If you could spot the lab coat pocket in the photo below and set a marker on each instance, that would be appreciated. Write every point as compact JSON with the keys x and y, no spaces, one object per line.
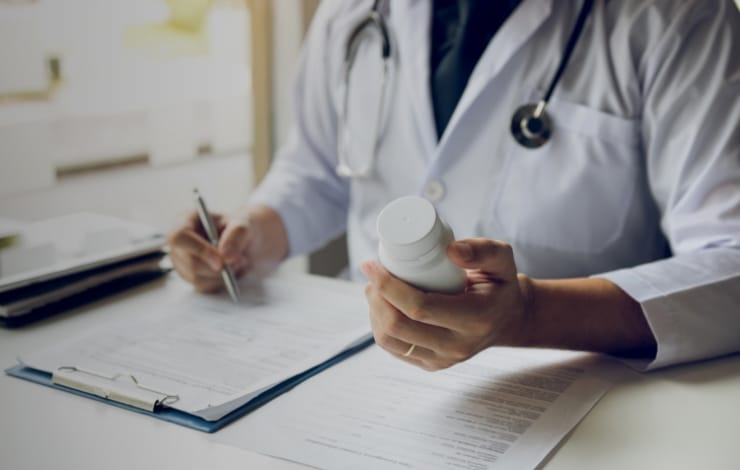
{"x":573,"y":194}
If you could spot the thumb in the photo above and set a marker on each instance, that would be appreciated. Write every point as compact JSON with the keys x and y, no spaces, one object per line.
{"x":490,"y":256}
{"x":234,"y":241}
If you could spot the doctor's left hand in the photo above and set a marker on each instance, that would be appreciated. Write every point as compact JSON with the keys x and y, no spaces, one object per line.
{"x":447,"y":329}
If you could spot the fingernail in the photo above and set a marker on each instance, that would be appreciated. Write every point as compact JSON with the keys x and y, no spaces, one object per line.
{"x":463,"y":250}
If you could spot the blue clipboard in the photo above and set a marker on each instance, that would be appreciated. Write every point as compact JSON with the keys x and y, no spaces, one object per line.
{"x":185,"y":419}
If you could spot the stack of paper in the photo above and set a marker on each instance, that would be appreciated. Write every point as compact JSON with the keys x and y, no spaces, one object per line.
{"x":59,"y":259}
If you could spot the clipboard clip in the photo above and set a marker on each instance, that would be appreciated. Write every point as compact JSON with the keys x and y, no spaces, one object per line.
{"x":115,"y":388}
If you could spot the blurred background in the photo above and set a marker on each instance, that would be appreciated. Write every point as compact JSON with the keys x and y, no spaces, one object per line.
{"x":123,"y":106}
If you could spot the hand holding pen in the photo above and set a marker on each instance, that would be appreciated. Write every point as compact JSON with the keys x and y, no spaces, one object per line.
{"x":251,"y":240}
{"x":197,"y":256}
{"x":212,"y":233}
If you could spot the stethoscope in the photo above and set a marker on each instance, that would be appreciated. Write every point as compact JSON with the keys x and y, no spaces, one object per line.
{"x":531,"y":126}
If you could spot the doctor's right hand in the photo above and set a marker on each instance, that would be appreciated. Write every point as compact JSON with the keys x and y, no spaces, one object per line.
{"x":251,"y":240}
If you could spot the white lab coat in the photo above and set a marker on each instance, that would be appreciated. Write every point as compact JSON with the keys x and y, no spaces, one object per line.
{"x":639,"y":184}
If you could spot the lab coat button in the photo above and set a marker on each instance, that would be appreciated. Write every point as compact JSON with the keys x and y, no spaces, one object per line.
{"x":434,"y":190}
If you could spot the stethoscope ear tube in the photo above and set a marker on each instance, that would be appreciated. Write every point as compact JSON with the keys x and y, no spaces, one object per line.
{"x":344,"y":168}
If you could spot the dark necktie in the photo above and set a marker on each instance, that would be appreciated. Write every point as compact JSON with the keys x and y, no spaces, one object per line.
{"x":461,"y":30}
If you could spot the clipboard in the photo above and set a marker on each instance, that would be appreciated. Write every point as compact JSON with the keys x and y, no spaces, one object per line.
{"x":122,"y":394}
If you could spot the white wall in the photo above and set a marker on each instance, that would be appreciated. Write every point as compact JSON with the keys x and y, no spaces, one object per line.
{"x":116,"y":101}
{"x":157,"y":196}
{"x":287,"y":36}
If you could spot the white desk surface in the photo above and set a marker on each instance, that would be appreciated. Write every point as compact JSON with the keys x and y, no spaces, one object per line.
{"x":682,"y":418}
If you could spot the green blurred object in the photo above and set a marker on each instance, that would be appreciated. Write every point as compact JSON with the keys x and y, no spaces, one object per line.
{"x":188,"y":15}
{"x":10,"y":231}
{"x":7,"y":241}
{"x":183,"y":34}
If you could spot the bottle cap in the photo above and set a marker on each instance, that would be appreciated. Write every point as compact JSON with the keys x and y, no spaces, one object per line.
{"x":408,"y":228}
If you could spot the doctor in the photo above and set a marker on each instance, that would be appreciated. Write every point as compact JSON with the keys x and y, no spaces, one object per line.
{"x":586,"y":153}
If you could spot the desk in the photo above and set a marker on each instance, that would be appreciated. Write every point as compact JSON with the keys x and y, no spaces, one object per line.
{"x":681,"y":418}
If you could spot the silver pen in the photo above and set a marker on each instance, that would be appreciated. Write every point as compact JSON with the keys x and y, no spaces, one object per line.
{"x":210,"y":228}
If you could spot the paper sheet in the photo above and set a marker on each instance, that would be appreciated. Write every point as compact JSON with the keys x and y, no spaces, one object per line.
{"x":504,"y":409}
{"x":216,"y":355}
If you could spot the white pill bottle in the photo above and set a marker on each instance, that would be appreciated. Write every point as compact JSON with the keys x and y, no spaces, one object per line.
{"x":413,"y":246}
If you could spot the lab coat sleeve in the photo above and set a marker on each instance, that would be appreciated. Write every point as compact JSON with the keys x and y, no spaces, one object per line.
{"x":691,"y":84}
{"x":302,"y":185}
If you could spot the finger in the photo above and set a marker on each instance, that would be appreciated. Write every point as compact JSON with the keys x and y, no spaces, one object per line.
{"x":194,"y":271}
{"x":397,"y":348}
{"x":193,"y":222}
{"x":411,"y":359}
{"x":208,"y":284}
{"x":440,"y":310}
{"x":202,"y":281}
{"x":241,"y":267}
{"x":200,"y":275}
{"x":219,"y":220}
{"x":193,"y":264}
{"x":390,"y":323}
{"x":189,"y":266}
{"x":417,"y":356}
{"x":189,"y":241}
{"x":234,"y":243}
{"x":490,"y":256}
{"x":181,"y":266}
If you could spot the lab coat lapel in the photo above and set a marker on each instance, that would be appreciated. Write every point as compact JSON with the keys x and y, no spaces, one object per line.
{"x":523,"y":23}
{"x":411,"y":23}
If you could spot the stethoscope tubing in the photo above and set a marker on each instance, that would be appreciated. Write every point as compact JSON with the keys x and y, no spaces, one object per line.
{"x":531,"y":126}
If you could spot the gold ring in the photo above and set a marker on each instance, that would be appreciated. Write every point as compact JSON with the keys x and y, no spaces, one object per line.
{"x":410,"y":351}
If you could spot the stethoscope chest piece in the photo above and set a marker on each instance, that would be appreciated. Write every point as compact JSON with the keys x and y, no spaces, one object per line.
{"x":531,"y":126}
